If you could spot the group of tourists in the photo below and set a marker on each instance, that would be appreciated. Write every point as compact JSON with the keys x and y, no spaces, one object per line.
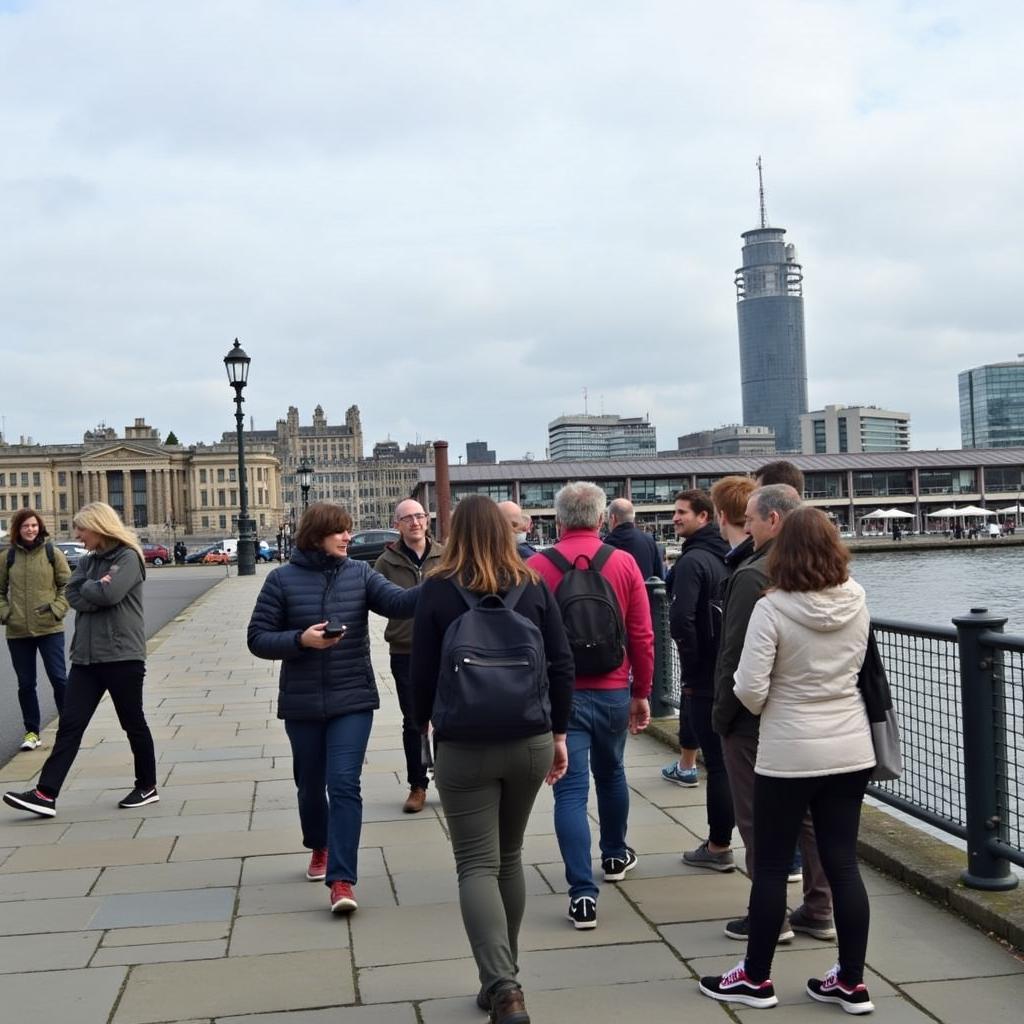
{"x":515,"y":668}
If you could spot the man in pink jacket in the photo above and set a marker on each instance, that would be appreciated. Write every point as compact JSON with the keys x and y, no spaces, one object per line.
{"x":605,"y":707}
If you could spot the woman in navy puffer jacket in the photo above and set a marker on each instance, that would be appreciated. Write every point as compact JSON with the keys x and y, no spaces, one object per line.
{"x":327,"y":693}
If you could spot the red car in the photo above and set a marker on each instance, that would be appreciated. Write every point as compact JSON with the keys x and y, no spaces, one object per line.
{"x":156,"y":554}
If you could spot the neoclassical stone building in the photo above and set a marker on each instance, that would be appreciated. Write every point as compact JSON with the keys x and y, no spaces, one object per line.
{"x":159,"y":489}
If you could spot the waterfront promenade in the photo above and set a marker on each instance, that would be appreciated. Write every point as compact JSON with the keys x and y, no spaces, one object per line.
{"x":195,"y":909}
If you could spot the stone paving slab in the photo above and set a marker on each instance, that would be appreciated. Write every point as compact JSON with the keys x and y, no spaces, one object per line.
{"x":243,"y":984}
{"x":160,"y":953}
{"x":398,"y":1013}
{"x":83,"y":995}
{"x":160,"y":934}
{"x":971,"y":1001}
{"x":137,"y":910}
{"x":53,"y":951}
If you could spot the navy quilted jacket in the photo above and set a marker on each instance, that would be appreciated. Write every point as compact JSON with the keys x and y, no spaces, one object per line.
{"x":309,"y":589}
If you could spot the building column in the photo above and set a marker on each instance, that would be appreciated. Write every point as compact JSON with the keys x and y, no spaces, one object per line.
{"x":126,"y":492}
{"x":167,"y":489}
{"x":102,"y":489}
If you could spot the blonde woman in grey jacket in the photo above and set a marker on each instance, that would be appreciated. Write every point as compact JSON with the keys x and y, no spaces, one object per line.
{"x":108,"y":653}
{"x":803,"y":651}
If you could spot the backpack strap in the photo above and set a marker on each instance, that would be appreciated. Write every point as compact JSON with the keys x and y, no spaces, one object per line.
{"x":49,"y":554}
{"x":510,"y":600}
{"x":603,"y":553}
{"x":557,"y":559}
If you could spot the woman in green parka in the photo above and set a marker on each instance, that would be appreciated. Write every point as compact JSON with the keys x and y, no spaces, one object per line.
{"x":33,"y":575}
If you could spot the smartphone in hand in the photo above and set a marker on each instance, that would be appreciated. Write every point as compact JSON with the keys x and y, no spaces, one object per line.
{"x":335,"y":627}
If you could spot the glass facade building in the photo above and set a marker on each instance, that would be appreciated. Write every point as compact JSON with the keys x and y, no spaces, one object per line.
{"x":992,"y":405}
{"x":773,"y":359}
{"x":601,"y":437}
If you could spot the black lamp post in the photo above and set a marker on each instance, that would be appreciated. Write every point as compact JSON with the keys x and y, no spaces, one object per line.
{"x":236,"y":362}
{"x":304,"y":475}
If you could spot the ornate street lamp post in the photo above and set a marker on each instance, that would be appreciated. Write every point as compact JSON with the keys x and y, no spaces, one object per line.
{"x":237,"y":364}
{"x":304,"y":474}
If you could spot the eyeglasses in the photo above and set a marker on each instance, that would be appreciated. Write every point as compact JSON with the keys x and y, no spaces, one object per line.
{"x":415,"y":517}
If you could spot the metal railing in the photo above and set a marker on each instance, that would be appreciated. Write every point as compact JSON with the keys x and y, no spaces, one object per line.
{"x":958,"y":692}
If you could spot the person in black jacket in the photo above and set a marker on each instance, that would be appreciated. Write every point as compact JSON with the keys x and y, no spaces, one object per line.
{"x":489,"y":777}
{"x":624,"y":534}
{"x":327,"y":693}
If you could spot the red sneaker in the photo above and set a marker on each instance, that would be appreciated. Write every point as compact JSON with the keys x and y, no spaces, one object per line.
{"x":343,"y":900}
{"x":317,"y":870}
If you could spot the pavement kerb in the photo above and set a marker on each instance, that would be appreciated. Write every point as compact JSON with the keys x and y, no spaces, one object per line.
{"x":923,"y":864}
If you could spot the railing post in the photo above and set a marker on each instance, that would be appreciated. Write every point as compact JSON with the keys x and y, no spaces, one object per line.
{"x":663,"y":682}
{"x":979,"y":706}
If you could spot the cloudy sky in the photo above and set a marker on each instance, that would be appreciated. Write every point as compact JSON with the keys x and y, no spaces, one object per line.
{"x":459,"y":214}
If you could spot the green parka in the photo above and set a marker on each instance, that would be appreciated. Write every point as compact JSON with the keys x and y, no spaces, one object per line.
{"x":32,"y":601}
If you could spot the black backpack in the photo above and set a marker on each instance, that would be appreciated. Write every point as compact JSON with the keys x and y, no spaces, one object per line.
{"x":494,"y":670}
{"x":590,"y":612}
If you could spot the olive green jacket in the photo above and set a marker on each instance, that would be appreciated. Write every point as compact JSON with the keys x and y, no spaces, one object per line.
{"x":396,"y":566}
{"x":32,"y":601}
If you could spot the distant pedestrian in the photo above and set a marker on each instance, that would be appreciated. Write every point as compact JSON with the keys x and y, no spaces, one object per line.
{"x":33,"y":575}
{"x":492,"y":754}
{"x":108,"y":655}
{"x":180,"y":551}
{"x":327,"y":694}
{"x":805,"y":643}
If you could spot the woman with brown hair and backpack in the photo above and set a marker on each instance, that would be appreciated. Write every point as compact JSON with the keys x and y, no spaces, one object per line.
{"x":492,"y":667}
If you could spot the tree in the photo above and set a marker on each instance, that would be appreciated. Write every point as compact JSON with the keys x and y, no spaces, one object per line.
{"x":172,"y":438}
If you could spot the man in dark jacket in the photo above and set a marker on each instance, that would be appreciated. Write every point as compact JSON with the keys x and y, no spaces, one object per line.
{"x":624,"y":534}
{"x":405,"y":562}
{"x":696,"y":582}
{"x":738,"y":728}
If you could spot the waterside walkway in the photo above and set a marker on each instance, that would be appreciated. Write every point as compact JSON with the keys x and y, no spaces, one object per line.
{"x":196,"y":909}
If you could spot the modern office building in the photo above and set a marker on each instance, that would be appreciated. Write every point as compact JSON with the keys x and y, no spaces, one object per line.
{"x":992,"y":405}
{"x":478,"y":454}
{"x":847,"y":486}
{"x":601,"y":437}
{"x":770,"y":313}
{"x":731,"y":439}
{"x":854,"y":428}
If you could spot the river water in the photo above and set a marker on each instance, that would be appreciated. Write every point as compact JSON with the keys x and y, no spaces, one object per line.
{"x":930,"y":587}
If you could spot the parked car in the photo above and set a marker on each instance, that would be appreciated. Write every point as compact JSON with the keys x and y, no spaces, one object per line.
{"x":216,"y":557}
{"x":156,"y":554}
{"x":73,"y":551}
{"x":200,"y":553}
{"x":266,"y":552}
{"x":367,"y":545}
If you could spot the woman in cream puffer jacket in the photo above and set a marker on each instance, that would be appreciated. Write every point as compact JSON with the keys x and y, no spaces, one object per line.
{"x":804,"y":647}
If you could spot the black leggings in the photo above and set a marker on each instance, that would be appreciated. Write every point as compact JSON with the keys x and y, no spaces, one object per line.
{"x":779,"y":807}
{"x":86,"y":686}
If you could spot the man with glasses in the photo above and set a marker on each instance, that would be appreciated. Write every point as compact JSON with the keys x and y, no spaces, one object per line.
{"x":405,"y":562}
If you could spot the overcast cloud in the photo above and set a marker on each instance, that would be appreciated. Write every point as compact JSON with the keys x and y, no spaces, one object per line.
{"x":458,"y":215}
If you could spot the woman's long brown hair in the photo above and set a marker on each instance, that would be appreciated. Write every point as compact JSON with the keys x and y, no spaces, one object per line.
{"x":481,"y":553}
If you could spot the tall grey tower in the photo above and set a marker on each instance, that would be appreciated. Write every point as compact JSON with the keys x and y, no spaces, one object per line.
{"x":770,"y":310}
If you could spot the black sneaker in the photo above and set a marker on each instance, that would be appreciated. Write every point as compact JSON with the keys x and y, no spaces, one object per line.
{"x":615,"y":868}
{"x":740,"y":930}
{"x":33,"y":801}
{"x":139,"y":797}
{"x":736,"y":987}
{"x":583,"y":912}
{"x":831,"y":990}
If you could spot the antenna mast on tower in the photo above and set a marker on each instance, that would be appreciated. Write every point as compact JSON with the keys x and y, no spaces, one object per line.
{"x":760,"y":191}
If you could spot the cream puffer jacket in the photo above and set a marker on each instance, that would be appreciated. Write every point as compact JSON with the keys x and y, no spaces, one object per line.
{"x":798,"y":671}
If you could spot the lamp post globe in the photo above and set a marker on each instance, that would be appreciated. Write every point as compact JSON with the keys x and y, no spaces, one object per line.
{"x":236,"y":362}
{"x":305,"y":477}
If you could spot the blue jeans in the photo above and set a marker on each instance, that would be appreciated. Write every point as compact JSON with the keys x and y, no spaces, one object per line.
{"x":327,"y":761}
{"x":23,"y":658}
{"x":598,"y":726}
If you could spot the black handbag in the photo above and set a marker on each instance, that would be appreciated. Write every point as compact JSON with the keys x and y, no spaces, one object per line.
{"x":885,"y":731}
